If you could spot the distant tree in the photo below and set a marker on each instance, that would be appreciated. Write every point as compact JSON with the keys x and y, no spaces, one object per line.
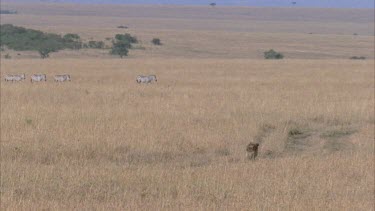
{"x":44,"y":52}
{"x":213,"y":4}
{"x":122,"y":44}
{"x":271,"y":54}
{"x":71,"y":37}
{"x":156,"y":41}
{"x":121,"y":48}
{"x":126,"y":37}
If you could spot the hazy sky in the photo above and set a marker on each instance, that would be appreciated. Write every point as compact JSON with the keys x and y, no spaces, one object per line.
{"x":284,"y":3}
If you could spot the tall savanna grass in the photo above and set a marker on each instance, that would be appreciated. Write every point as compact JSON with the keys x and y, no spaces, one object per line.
{"x":102,"y":141}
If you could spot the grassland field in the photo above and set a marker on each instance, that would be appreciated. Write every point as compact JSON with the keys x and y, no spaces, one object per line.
{"x":103,"y":142}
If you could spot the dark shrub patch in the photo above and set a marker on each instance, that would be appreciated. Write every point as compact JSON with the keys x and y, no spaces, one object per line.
{"x":156,"y":41}
{"x":271,"y":54}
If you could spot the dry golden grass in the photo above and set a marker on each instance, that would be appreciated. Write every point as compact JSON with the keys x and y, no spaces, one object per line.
{"x":102,"y":141}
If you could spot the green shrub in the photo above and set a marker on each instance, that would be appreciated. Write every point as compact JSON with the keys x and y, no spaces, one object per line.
{"x":358,"y":57}
{"x":126,"y":37}
{"x":271,"y":54}
{"x":156,"y":41}
{"x":96,"y":44}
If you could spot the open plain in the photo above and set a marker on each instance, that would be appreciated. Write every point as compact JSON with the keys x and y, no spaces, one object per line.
{"x":102,"y":141}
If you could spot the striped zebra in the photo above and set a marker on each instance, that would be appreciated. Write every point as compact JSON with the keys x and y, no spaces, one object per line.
{"x":142,"y":79}
{"x":146,"y":79}
{"x":62,"y":78}
{"x":16,"y":77}
{"x":38,"y":77}
{"x":153,"y":78}
{"x":23,"y":76}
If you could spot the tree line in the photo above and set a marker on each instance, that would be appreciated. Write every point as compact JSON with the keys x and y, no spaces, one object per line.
{"x":23,"y":39}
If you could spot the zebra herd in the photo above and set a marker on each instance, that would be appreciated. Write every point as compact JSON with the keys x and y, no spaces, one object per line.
{"x":36,"y":77}
{"x":66,"y":77}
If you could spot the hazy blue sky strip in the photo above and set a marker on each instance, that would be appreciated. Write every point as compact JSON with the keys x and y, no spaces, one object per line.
{"x":275,"y":3}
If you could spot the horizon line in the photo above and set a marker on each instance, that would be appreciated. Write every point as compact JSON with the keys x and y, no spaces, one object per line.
{"x":192,"y":5}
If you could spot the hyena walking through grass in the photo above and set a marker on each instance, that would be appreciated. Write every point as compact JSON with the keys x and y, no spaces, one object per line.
{"x":252,"y":150}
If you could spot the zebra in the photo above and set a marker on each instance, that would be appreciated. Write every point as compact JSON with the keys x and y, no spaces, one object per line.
{"x":16,"y":77}
{"x":38,"y":77}
{"x":142,"y":79}
{"x":62,"y":78}
{"x":23,"y":76}
{"x":146,"y":79}
{"x":153,"y":78}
